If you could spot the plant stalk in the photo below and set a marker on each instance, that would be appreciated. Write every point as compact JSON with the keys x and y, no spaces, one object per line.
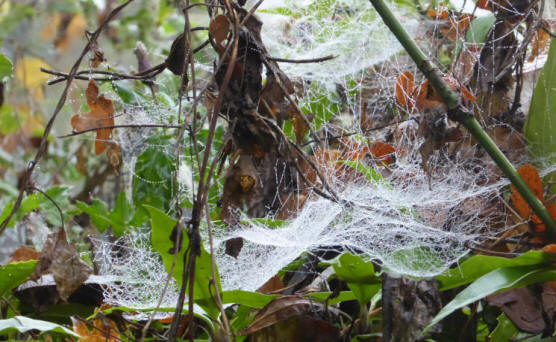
{"x":452,"y":100}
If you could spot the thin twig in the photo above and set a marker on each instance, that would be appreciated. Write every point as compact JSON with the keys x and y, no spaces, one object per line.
{"x":301,"y":61}
{"x":53,"y":202}
{"x":117,"y":126}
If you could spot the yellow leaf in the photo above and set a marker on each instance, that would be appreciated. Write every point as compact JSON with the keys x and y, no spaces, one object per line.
{"x":27,"y":70}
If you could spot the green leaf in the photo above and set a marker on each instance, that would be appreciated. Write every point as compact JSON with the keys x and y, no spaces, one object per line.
{"x":9,"y":121}
{"x":359,"y":275}
{"x":479,"y":265}
{"x":23,"y":324}
{"x":344,"y":296}
{"x":479,"y":28}
{"x":126,"y":95}
{"x":251,"y":299}
{"x":504,"y":331}
{"x":540,"y":126}
{"x":153,"y":182}
{"x":370,"y":173}
{"x":121,"y":215}
{"x":498,"y":280}
{"x":6,"y":67}
{"x":14,"y":274}
{"x":7,"y":210}
{"x":162,"y":226}
{"x":98,"y":212}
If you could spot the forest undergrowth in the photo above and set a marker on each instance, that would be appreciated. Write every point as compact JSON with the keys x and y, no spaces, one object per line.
{"x":320,"y":170}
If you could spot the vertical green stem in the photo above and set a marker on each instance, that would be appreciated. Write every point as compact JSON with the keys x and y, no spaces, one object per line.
{"x":451,"y":98}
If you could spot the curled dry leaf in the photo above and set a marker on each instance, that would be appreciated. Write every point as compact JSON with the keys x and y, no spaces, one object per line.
{"x":114,"y":153}
{"x":175,"y":62}
{"x":219,"y":28}
{"x":101,"y":115}
{"x":97,"y":57}
{"x":61,"y":259}
{"x":540,"y":43}
{"x":405,"y":85}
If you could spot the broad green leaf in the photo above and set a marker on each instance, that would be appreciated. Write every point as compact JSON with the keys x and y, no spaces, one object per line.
{"x":504,"y":331}
{"x":478,"y":29}
{"x":98,"y":212}
{"x":162,"y":226}
{"x":153,"y":182}
{"x":14,"y":274}
{"x":126,"y":94}
{"x":251,"y":299}
{"x":479,"y":265}
{"x":39,"y":201}
{"x":6,"y":67}
{"x":359,"y":275}
{"x":343,"y":296}
{"x":498,"y":280}
{"x":121,"y":215}
{"x":540,"y":126}
{"x":23,"y":324}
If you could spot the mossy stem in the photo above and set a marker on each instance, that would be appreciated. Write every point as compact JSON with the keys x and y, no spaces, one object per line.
{"x":452,"y":100}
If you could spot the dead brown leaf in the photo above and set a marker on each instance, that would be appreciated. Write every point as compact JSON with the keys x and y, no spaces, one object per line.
{"x":219,"y":28}
{"x":61,"y":259}
{"x":101,"y":115}
{"x":521,"y":307}
{"x":24,"y":254}
{"x":281,"y":309}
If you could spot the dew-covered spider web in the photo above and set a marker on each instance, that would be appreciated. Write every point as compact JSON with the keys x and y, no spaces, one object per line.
{"x":411,"y":219}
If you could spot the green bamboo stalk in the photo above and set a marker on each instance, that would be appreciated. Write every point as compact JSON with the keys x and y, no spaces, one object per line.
{"x":457,"y":113}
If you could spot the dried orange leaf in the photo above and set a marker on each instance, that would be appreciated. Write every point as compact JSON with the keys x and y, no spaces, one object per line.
{"x":549,"y":248}
{"x":383,"y":151}
{"x":485,"y":4}
{"x":405,"y":84}
{"x":531,"y":177}
{"x":540,"y":43}
{"x":101,"y":115}
{"x":80,"y":328}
